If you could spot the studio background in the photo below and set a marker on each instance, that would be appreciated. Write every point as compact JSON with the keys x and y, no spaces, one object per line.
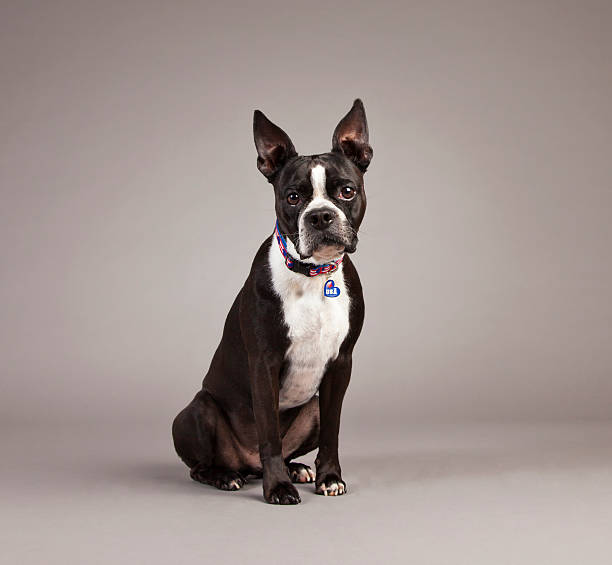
{"x":132,"y":209}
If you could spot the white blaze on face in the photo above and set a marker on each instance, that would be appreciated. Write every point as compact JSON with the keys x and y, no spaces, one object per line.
{"x":317,"y":179}
{"x":320,"y":199}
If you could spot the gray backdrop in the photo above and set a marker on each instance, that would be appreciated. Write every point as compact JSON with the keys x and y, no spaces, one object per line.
{"x":132,"y":206}
{"x":130,"y":213}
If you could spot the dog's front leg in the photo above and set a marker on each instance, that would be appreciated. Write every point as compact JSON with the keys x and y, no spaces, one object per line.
{"x":264,"y":375}
{"x":331,"y":393}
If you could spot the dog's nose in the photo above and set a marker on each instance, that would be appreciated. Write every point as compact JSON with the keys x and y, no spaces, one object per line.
{"x":320,"y":219}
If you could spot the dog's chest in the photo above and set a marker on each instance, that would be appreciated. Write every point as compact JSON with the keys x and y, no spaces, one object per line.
{"x":317,"y":326}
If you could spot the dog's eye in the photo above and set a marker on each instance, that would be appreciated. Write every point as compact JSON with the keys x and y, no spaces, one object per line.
{"x":293,"y":198}
{"x":347,"y":193}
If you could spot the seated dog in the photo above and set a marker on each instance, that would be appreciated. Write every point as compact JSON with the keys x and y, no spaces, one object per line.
{"x":292,"y":328}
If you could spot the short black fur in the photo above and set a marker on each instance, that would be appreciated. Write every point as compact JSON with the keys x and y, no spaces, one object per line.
{"x":233,"y":427}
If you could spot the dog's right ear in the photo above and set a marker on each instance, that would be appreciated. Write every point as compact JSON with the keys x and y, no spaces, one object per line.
{"x":274,"y":148}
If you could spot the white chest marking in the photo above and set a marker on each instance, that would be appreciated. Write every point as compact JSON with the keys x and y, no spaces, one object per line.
{"x":317,"y":326}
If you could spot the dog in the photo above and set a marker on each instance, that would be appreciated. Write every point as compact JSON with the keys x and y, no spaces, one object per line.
{"x":276,"y":383}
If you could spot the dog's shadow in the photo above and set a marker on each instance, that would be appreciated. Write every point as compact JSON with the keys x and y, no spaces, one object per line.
{"x":364,"y":471}
{"x":168,"y":475}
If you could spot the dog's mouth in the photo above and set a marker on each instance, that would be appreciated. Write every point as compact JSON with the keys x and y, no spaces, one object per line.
{"x":328,"y":247}
{"x":328,"y":251}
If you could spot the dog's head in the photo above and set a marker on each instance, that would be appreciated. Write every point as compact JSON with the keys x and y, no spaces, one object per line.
{"x":320,"y":199}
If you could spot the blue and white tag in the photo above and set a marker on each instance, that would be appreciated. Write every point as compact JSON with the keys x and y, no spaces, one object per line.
{"x":330,"y":290}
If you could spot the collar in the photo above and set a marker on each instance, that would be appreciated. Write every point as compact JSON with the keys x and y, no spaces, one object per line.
{"x":307,"y":269}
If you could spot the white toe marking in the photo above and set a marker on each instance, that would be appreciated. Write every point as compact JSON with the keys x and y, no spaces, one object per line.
{"x":333,"y":489}
{"x":303,"y":475}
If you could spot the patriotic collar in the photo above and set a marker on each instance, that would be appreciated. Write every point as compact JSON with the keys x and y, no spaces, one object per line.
{"x":296,"y":266}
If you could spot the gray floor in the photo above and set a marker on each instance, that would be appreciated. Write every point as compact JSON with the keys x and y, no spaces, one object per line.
{"x":491,"y":495}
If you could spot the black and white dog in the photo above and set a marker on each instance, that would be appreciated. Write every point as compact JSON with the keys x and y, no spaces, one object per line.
{"x":291,"y":330}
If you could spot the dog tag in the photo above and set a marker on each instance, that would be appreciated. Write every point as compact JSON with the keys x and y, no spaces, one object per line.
{"x":330,"y":290}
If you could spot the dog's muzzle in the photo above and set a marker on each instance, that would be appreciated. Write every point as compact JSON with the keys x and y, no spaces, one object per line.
{"x":326,"y":234}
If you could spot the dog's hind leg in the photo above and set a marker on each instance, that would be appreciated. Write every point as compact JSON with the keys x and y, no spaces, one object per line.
{"x":194,"y":432}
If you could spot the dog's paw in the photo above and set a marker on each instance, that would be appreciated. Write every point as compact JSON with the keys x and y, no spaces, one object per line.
{"x":283,"y":493}
{"x":223,"y":479}
{"x":300,"y":473}
{"x":231,"y":481}
{"x":331,"y":485}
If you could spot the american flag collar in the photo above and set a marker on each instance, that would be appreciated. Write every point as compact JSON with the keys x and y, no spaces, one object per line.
{"x":299,"y":266}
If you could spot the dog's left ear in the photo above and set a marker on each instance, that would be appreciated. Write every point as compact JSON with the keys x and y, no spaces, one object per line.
{"x":274,"y":147}
{"x":351,"y":137}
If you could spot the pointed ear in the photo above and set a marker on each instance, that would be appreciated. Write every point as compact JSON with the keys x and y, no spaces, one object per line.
{"x":351,"y":136}
{"x":273,"y":145}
